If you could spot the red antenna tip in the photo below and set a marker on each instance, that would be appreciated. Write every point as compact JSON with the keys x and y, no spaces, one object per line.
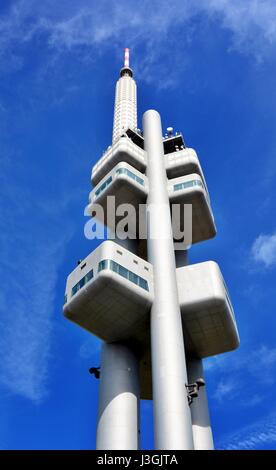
{"x":126,"y":61}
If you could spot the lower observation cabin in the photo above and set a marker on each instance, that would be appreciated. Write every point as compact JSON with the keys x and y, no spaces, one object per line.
{"x":110,"y":294}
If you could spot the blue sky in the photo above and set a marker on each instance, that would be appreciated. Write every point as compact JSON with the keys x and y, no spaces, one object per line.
{"x":209,"y":68}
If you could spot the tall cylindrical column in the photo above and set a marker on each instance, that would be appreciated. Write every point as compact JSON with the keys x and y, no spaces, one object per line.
{"x":181,"y":258}
{"x":127,"y":243}
{"x":118,"y":415}
{"x":202,"y":432}
{"x":172,"y":418}
{"x":125,"y":109}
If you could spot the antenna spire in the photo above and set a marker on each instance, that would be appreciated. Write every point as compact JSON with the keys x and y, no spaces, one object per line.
{"x":126,"y":70}
{"x":126,"y":61}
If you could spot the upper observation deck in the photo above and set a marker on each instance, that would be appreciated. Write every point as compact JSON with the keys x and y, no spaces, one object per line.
{"x":182,"y":162}
{"x":191,"y":189}
{"x":128,"y":186}
{"x":129,"y":147}
{"x":125,"y":149}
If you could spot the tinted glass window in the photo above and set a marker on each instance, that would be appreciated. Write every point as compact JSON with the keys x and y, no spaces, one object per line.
{"x":82,"y":282}
{"x":124,"y":272}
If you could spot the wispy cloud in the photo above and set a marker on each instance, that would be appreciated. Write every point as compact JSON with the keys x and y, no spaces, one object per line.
{"x":31,"y":253}
{"x":251,"y":23}
{"x":90,"y":349}
{"x":264,"y":250}
{"x":255,"y":436}
{"x":66,"y":26}
{"x":224,"y":389}
{"x":237,"y":371}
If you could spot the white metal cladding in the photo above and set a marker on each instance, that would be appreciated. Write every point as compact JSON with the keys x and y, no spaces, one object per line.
{"x":182,"y":163}
{"x":122,"y":150}
{"x":185,"y":182}
{"x":111,"y":306}
{"x":144,"y":321}
{"x":207,"y":313}
{"x":171,"y":410}
{"x":202,"y":432}
{"x":109,"y":250}
{"x":190,"y":189}
{"x":127,"y":186}
{"x":125,"y":108}
{"x":122,"y":171}
{"x":119,"y":399}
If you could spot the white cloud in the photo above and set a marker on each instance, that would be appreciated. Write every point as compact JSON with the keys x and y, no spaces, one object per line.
{"x":32,"y":240}
{"x":255,"y":436}
{"x":235,"y":372}
{"x":68,"y":25}
{"x":224,"y":389}
{"x":251,"y":22}
{"x":264,"y":250}
{"x":27,"y":307}
{"x":90,"y":349}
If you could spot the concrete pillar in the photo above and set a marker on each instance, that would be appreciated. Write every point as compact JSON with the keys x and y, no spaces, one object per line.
{"x":172,"y":417}
{"x":127,"y":243}
{"x":202,"y":432}
{"x":119,"y":399}
{"x":181,"y":258}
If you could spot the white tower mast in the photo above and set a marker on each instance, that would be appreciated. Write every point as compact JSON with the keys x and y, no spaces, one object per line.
{"x":173,"y":429}
{"x":144,"y":300}
{"x":125,"y":109}
{"x":119,"y":397}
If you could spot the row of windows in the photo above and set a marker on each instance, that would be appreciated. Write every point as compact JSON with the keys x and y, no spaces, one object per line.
{"x":119,"y":171}
{"x":227,"y":297}
{"x":82,"y":282}
{"x":176,"y":187}
{"x":129,"y":173}
{"x":129,"y":102}
{"x":126,"y":118}
{"x":103,"y":186}
{"x":125,"y":110}
{"x":187,"y":184}
{"x":113,"y":266}
{"x":108,"y":153}
{"x":117,"y":268}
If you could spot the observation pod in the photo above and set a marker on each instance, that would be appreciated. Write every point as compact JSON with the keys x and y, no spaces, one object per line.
{"x":208,"y":320}
{"x":111,"y":291}
{"x":157,"y":315}
{"x":182,"y":162}
{"x":191,"y":189}
{"x":209,"y":324}
{"x":110,"y":294}
{"x":126,"y":184}
{"x":124,"y":149}
{"x":129,"y":186}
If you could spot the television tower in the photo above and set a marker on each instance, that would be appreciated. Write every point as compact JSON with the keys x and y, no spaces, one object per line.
{"x":157,"y":316}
